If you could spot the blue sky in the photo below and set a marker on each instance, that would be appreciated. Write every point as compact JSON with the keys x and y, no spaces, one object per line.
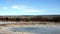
{"x":29,"y":7}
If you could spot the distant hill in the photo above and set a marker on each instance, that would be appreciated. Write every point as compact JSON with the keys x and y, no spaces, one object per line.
{"x":51,"y":18}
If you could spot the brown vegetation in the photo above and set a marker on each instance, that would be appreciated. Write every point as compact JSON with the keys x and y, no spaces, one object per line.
{"x":29,"y":18}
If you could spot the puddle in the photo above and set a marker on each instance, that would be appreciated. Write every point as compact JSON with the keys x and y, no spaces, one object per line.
{"x":36,"y":30}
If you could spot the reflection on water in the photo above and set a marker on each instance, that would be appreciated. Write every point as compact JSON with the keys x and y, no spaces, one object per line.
{"x":36,"y":30}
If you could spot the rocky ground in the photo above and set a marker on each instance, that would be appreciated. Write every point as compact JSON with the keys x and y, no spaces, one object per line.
{"x":4,"y":29}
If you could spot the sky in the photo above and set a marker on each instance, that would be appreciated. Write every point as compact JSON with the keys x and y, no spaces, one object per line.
{"x":29,"y":7}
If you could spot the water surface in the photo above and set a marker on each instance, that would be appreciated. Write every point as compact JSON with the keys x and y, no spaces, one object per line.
{"x":36,"y":30}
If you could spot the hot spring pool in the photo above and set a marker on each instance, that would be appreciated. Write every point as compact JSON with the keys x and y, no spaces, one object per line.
{"x":36,"y":30}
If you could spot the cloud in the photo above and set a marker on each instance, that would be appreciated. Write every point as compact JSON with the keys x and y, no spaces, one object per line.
{"x":32,"y":11}
{"x":15,"y":7}
{"x":26,"y":8}
{"x":5,"y":8}
{"x":18,"y":7}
